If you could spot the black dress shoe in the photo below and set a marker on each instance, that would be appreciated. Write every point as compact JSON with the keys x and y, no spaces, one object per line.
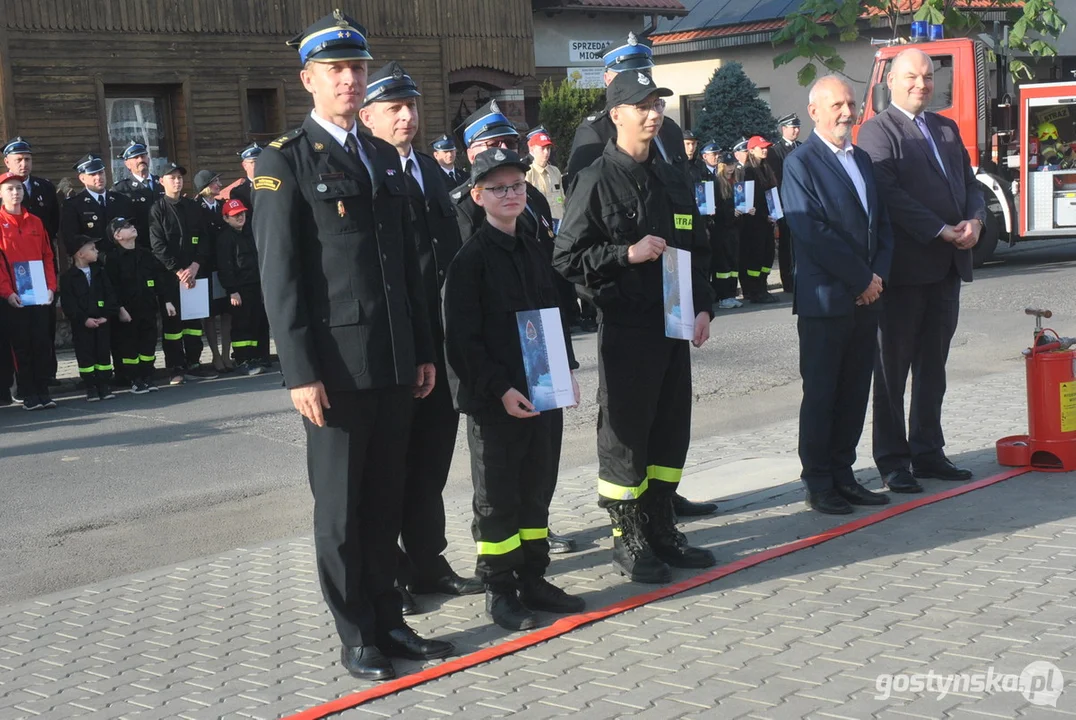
{"x":403,"y":642}
{"x":828,"y":502}
{"x":858,"y":495}
{"x":687,"y":508}
{"x":901,"y":481}
{"x":366,"y":662}
{"x":558,"y":544}
{"x":408,"y":606}
{"x":942,"y":469}
{"x":448,"y":584}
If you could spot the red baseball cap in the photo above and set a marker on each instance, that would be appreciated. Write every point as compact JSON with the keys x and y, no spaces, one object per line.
{"x":540,"y":139}
{"x":234,"y":207}
{"x":757,"y":141}
{"x":11,"y":176}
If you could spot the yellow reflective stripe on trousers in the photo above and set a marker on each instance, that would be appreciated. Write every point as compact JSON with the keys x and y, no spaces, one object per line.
{"x":174,"y":336}
{"x":766,"y":269}
{"x":146,"y":358}
{"x":613,"y":491}
{"x":86,"y":369}
{"x":664,"y":474}
{"x":533,"y":533}
{"x":722,"y":276}
{"x":103,"y":367}
{"x":498,"y":548}
{"x":734,"y":274}
{"x":754,"y":273}
{"x":189,"y":331}
{"x":244,"y":343}
{"x":130,"y":361}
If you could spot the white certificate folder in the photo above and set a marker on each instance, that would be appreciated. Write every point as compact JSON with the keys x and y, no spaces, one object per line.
{"x":194,"y":302}
{"x":545,"y":359}
{"x":676,"y":284}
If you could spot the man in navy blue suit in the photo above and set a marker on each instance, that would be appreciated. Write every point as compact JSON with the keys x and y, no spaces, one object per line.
{"x":843,"y":247}
{"x":937,"y":207}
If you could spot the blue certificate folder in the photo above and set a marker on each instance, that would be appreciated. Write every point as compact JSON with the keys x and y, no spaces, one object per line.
{"x":743,"y":195}
{"x":545,"y":359}
{"x":30,"y":284}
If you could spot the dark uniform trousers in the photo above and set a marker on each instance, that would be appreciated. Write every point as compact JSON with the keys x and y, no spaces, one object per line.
{"x":93,"y":352}
{"x":836,"y":362}
{"x":250,"y":326}
{"x":135,"y":344}
{"x":644,"y":412}
{"x":355,"y":464}
{"x":784,"y":256}
{"x":724,"y":231}
{"x":27,"y":330}
{"x":917,"y":324}
{"x":181,"y":340}
{"x":7,"y":360}
{"x":514,"y":472}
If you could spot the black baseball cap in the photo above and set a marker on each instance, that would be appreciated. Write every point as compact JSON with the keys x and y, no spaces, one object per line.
{"x":117,"y":224}
{"x":495,"y":159}
{"x":632,"y":87}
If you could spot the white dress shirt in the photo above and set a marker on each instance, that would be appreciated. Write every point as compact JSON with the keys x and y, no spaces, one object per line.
{"x":340,"y":135}
{"x":846,"y":157}
{"x":416,"y":171}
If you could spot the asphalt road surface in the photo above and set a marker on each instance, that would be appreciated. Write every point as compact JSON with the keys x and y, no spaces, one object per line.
{"x":91,"y":492}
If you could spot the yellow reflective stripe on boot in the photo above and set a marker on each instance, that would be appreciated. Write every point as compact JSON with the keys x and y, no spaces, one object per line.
{"x":533,"y":533}
{"x":193,"y":333}
{"x":617,"y":532}
{"x":130,"y":361}
{"x":664,"y":474}
{"x":174,"y":336}
{"x":498,"y":548}
{"x":613,"y":491}
{"x":146,"y":358}
{"x":103,"y":368}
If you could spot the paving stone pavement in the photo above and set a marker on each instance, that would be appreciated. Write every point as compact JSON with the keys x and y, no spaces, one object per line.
{"x":977,"y":581}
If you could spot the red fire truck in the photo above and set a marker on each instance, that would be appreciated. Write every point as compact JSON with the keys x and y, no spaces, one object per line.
{"x":1022,"y":143}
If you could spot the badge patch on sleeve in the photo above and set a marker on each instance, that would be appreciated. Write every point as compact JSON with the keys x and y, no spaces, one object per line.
{"x":266,"y":183}
{"x":682,"y":222}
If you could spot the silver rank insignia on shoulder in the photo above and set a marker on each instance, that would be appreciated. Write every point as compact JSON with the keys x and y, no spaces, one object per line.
{"x":643,"y":79}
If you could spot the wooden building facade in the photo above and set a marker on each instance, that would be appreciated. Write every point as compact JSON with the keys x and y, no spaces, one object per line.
{"x":197,"y":80}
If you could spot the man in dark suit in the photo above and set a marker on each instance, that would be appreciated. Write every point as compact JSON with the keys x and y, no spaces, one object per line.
{"x":344,"y":296}
{"x":938,"y":211}
{"x":844,"y":248}
{"x":390,"y":111}
{"x":444,"y":152}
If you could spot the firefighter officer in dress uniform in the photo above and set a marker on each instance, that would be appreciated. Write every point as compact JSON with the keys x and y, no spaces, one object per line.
{"x":739,"y":151}
{"x":141,"y":187}
{"x":597,"y":130}
{"x":790,"y":132}
{"x":39,"y":198}
{"x":391,"y":113}
{"x":444,"y":152}
{"x":626,"y":209}
{"x":486,"y":128}
{"x":248,"y":157}
{"x":89,"y":211}
{"x":344,"y":296}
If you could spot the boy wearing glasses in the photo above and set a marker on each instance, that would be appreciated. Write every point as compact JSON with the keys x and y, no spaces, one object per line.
{"x":626,"y":209}
{"x":514,"y":450}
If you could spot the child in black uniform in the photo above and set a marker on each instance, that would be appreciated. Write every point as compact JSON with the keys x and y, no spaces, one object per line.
{"x":89,"y":302}
{"x":496,"y":274}
{"x":140,"y":283}
{"x":237,"y":267}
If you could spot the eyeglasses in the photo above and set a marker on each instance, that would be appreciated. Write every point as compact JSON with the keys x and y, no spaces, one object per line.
{"x":657,"y":106}
{"x":501,"y":191}
{"x":507,"y":142}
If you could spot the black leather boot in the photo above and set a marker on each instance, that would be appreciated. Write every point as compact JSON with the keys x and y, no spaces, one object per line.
{"x":632,"y":555}
{"x":668,"y":543}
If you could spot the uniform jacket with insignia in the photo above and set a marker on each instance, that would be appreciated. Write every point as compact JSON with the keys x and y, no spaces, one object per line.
{"x":438,"y":239}
{"x":778,"y":153}
{"x":616,"y":202}
{"x":138,"y":279}
{"x":339,"y":263}
{"x":82,"y":300}
{"x":41,"y":200}
{"x":598,"y":129}
{"x":81,"y":214}
{"x":142,"y":195}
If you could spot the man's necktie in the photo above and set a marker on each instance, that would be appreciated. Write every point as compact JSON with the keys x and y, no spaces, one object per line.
{"x":352,"y":145}
{"x":409,"y":168}
{"x":921,"y":123}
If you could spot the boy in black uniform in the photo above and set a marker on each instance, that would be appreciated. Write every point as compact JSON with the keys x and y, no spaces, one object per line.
{"x":179,"y":232}
{"x":89,"y":302}
{"x":626,"y":209}
{"x":499,"y":272}
{"x":237,"y":266}
{"x":140,"y":283}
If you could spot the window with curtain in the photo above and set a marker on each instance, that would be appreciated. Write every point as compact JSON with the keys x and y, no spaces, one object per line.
{"x":142,"y":117}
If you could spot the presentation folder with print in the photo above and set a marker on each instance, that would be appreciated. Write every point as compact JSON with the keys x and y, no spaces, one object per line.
{"x":545,"y":359}
{"x":773,"y":204}
{"x":704,"y":197}
{"x":744,"y":195}
{"x":676,"y":284}
{"x":30,"y":283}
